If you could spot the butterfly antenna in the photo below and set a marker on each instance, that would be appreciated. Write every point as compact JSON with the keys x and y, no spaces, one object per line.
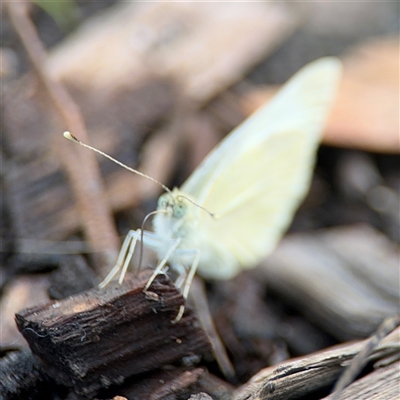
{"x":212,"y":215}
{"x":72,"y":138}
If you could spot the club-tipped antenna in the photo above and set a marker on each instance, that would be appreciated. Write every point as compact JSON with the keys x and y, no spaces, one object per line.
{"x":68,"y":135}
{"x":72,"y":138}
{"x":212,"y":215}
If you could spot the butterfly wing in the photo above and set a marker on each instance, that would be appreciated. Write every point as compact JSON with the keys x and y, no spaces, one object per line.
{"x":256,"y":177}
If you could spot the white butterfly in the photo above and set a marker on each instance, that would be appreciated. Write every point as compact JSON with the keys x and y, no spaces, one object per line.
{"x":234,"y":208}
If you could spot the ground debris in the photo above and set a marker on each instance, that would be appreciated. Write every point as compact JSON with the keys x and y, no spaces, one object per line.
{"x":344,"y":278}
{"x":22,"y":377}
{"x":100,"y":337}
{"x":303,"y":377}
{"x":176,"y":384}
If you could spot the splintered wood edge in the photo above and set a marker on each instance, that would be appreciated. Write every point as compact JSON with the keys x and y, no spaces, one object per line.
{"x":302,"y":376}
{"x":100,"y":337}
{"x":381,"y":384}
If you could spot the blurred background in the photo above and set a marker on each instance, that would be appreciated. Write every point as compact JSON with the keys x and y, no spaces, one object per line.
{"x":157,"y":86}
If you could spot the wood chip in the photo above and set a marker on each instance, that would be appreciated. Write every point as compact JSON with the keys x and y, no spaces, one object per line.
{"x":382,"y":384}
{"x":345,"y":279}
{"x":21,"y":375}
{"x":176,"y":383}
{"x":299,"y":378}
{"x":100,"y":337}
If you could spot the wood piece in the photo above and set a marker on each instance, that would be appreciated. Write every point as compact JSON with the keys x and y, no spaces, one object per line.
{"x":302,"y":377}
{"x":358,"y":363}
{"x":345,"y":279}
{"x":72,"y":276}
{"x":22,"y":373}
{"x":33,"y":263}
{"x":98,"y":338}
{"x":382,"y":384}
{"x":21,"y":377}
{"x":198,"y":296}
{"x":172,"y":388}
{"x":174,"y":384}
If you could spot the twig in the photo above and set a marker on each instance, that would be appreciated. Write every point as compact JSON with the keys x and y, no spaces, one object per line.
{"x":361,"y":359}
{"x":198,"y":296}
{"x":81,"y":167}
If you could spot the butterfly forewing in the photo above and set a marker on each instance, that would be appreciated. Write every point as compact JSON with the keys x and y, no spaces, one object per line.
{"x":256,"y":177}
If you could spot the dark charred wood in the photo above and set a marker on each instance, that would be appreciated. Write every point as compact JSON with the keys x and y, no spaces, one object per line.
{"x":100,"y":337}
{"x":174,"y":384}
{"x":72,"y":276}
{"x":33,"y":263}
{"x":22,"y":377}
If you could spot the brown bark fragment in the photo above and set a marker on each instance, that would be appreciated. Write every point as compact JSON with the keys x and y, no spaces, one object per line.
{"x":100,"y":337}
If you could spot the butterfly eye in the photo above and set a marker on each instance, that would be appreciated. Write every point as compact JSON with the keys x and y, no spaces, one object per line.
{"x":179,"y":210}
{"x":163,"y":201}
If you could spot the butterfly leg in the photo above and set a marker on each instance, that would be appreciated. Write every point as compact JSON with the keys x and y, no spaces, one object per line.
{"x":187,"y":280}
{"x":124,"y":257}
{"x":181,"y":271}
{"x":131,"y":249}
{"x":150,"y":240}
{"x":161,"y":264}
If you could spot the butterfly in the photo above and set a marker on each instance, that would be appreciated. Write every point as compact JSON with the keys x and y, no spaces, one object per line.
{"x":234,"y":208}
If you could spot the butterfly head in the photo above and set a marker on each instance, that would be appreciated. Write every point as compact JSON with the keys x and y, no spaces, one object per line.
{"x":173,"y":204}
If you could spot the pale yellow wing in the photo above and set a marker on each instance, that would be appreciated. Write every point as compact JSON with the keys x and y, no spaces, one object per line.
{"x":257,"y":176}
